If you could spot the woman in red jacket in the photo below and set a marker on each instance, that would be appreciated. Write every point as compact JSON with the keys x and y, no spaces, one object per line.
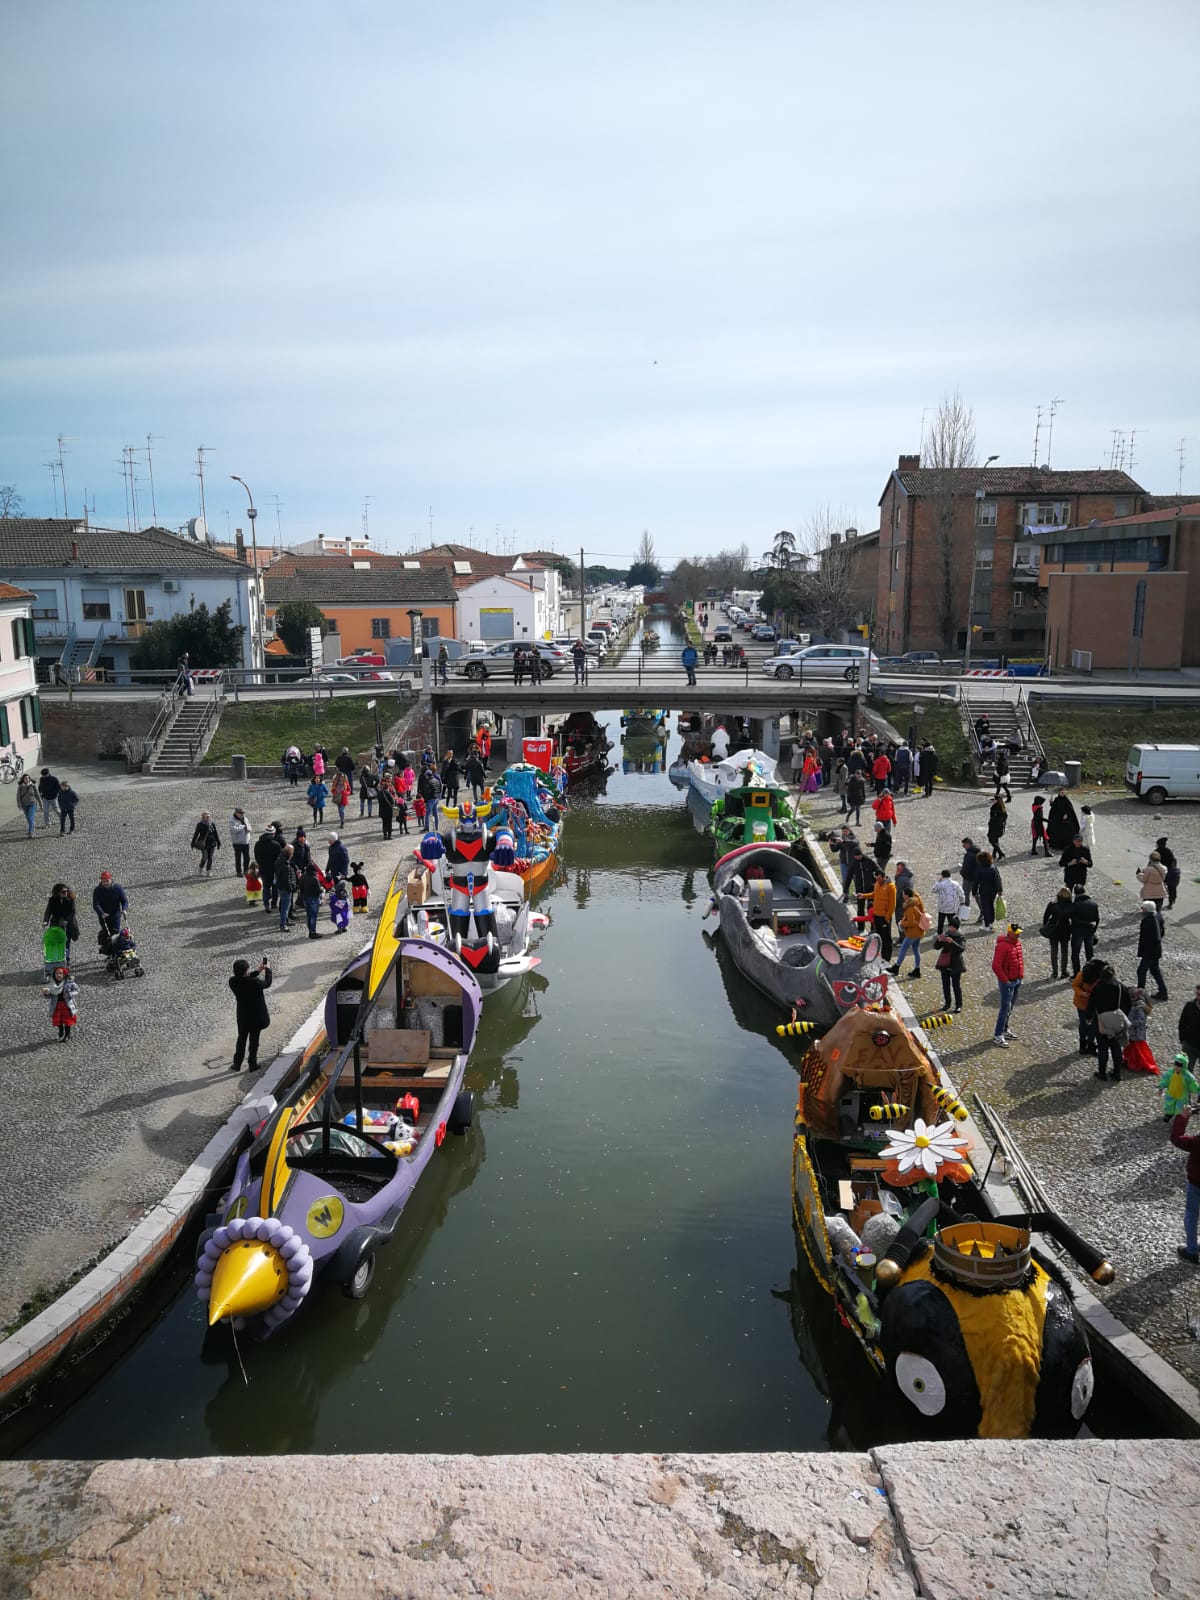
{"x":1008,"y":963}
{"x":884,"y":808}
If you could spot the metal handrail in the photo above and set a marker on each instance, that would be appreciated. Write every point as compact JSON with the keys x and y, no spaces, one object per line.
{"x":1025,"y":722}
{"x":196,"y":739}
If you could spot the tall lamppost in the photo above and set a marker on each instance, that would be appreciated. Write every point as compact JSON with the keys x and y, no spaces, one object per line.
{"x":980,"y":495}
{"x":260,"y":649}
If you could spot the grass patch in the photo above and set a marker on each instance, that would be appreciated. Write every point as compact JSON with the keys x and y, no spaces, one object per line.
{"x":939,"y":724}
{"x":1100,"y":737}
{"x":262,"y":731}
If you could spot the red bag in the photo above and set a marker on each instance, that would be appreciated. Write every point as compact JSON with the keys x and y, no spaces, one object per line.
{"x":1138,"y":1057}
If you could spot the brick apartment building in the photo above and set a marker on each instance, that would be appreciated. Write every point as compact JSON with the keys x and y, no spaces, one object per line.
{"x":988,"y":512}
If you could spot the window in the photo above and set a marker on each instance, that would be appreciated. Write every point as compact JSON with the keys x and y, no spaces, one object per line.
{"x":135,"y":605}
{"x":1121,"y":508}
{"x":381,"y":627}
{"x":985,"y":513}
{"x":96,"y":607}
{"x":24,"y":643}
{"x":895,"y":561}
{"x":429,"y":627}
{"x":31,"y":715}
{"x":984,"y":556}
{"x":1044,"y":514}
{"x":1018,"y":599}
{"x":45,"y":605}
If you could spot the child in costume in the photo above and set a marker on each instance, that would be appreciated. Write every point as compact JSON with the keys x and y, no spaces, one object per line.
{"x":1037,"y":826}
{"x":402,"y":812}
{"x":1089,"y":826}
{"x":339,"y":906}
{"x":360,"y":889}
{"x":253,"y":886}
{"x":1178,"y":1087}
{"x":63,"y":994}
{"x":419,"y":812}
{"x":1137,"y":1055}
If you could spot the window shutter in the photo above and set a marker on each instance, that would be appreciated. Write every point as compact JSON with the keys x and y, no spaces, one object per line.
{"x":24,"y":704}
{"x":30,"y":636}
{"x":4,"y":734}
{"x":35,"y":706}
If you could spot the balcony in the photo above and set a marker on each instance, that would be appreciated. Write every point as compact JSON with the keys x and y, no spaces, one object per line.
{"x":1027,"y":566}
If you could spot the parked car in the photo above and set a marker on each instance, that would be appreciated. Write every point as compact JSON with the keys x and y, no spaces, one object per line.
{"x":822,"y":661}
{"x":566,"y":641}
{"x":722,"y":635}
{"x":324,"y":678}
{"x":914,"y":658}
{"x":789,"y":647}
{"x":763,"y":632}
{"x":497,"y":661}
{"x":363,"y":657}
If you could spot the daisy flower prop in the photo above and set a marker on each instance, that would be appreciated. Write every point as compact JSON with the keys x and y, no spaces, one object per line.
{"x":922,"y":1152}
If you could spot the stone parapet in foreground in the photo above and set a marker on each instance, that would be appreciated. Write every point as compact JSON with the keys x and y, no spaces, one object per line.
{"x":1110,"y":1520}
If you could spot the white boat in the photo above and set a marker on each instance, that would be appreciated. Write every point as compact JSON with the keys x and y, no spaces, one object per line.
{"x":712,"y":780}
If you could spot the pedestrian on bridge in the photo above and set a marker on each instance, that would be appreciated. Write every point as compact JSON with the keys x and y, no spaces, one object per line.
{"x":689,"y":658}
{"x":579,"y":661}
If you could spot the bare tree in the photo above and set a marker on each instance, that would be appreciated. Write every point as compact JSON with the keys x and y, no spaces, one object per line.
{"x":948,"y":452}
{"x":11,"y":503}
{"x":645,"y":549}
{"x":815,"y":589}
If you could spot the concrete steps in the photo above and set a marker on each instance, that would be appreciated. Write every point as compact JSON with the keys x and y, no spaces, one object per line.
{"x":175,"y":758}
{"x":1002,"y":718}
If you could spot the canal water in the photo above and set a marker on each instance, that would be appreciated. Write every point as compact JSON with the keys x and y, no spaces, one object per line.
{"x":605,"y":1262}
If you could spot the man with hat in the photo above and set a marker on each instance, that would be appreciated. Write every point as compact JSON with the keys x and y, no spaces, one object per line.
{"x":267,"y":849}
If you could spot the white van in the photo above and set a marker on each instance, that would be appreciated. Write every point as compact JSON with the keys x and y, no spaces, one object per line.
{"x":1158,"y":772}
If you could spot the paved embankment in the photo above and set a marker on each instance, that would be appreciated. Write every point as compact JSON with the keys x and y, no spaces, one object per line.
{"x":97,"y":1130}
{"x":1104,"y":1520}
{"x":1100,"y":1150}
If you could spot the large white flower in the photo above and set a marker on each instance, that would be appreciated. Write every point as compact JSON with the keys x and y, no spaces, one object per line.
{"x":929,"y":1148}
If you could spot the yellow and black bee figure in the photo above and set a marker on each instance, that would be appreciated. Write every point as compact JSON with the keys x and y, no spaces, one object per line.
{"x":889,"y":1111}
{"x":950,"y":1104}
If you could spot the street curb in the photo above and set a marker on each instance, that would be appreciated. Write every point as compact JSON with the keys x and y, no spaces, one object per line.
{"x":47,"y":1338}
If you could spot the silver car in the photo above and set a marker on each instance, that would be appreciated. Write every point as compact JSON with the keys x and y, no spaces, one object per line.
{"x":498,"y":661}
{"x":822,"y":661}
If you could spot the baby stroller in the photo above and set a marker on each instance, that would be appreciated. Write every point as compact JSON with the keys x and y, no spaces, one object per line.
{"x":119,"y":950}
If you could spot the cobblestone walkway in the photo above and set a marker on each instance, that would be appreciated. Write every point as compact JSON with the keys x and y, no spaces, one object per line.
{"x":96,"y":1131}
{"x":1100,"y":1149}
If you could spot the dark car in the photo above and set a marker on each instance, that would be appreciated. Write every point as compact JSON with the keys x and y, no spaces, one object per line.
{"x":722,"y":635}
{"x":914,"y":658}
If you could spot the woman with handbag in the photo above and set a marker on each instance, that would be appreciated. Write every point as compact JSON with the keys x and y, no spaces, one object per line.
{"x":1108,"y":1004}
{"x":1056,"y":926}
{"x":914,"y":921}
{"x":951,"y":947}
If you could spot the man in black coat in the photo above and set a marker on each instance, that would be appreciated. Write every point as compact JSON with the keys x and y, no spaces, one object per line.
{"x":1085,"y":919}
{"x":1189,"y":1029}
{"x":249,"y":990}
{"x":929,"y":766}
{"x":48,"y":787}
{"x":1075,"y":861}
{"x":1149,"y":950}
{"x":337,"y":862}
{"x":267,"y":849}
{"x":969,"y":869}
{"x":345,"y":763}
{"x":110,"y":903}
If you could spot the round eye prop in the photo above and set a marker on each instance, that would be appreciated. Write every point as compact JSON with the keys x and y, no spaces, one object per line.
{"x":1083,"y":1387}
{"x":920,"y":1382}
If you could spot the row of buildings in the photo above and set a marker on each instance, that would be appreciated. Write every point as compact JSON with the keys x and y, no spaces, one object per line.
{"x":1079,"y":569}
{"x":93,"y":592}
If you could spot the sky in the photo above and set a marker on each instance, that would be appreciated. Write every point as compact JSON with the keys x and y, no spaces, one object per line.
{"x":537,"y":276}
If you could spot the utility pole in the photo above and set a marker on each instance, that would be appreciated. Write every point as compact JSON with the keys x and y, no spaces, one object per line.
{"x":258,"y":650}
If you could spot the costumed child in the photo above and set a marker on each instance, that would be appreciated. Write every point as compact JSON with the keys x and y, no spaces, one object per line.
{"x":1038,"y":826}
{"x":1178,"y":1086}
{"x":1137,"y":1055}
{"x":339,"y":906}
{"x":402,"y":812}
{"x":360,"y":889}
{"x":419,"y":813}
{"x":63,"y":994}
{"x":253,"y":886}
{"x":1089,"y":826}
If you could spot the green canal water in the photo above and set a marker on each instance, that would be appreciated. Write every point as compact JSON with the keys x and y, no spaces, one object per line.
{"x":603,"y":1263}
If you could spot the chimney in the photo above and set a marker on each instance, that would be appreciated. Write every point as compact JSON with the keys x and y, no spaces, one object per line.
{"x":909,"y":464}
{"x":74,"y":549}
{"x":834,"y":539}
{"x":239,"y":545}
{"x":851,"y":533}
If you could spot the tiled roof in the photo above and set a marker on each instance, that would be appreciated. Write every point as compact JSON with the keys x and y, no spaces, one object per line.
{"x":9,"y":591}
{"x":1032,"y":481}
{"x":1137,"y":518}
{"x":329,"y":582}
{"x":291,"y":561}
{"x":31,"y":542}
{"x":1170,"y":502}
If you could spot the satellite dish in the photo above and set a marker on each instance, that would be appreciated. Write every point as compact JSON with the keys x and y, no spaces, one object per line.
{"x":197,"y":530}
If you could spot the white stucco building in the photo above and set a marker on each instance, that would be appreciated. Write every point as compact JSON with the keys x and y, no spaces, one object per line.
{"x":507,"y":606}
{"x":20,"y":709}
{"x":96,"y":590}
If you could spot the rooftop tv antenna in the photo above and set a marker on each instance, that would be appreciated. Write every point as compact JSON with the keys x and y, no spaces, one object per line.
{"x":125,"y":484}
{"x":62,"y":471}
{"x":52,"y":469}
{"x":1182,"y":454}
{"x":366,"y":516}
{"x":1133,"y":433}
{"x":129,"y":451}
{"x":150,"y":465}
{"x":1037,"y":434}
{"x":202,"y":451}
{"x":278,"y":520}
{"x":1054,"y":405}
{"x":431,"y":525}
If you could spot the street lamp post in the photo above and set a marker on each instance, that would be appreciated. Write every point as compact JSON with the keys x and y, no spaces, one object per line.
{"x":980,"y":494}
{"x":259,"y":650}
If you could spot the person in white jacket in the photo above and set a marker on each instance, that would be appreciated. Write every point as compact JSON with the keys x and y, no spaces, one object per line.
{"x":948,"y":897}
{"x":239,"y":837}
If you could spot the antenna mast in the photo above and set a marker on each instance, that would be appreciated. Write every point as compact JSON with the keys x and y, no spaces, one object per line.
{"x":1182,"y":454}
{"x":62,"y":471}
{"x":278,"y":522}
{"x":1037,"y":434}
{"x":366,"y":528}
{"x":52,"y":469}
{"x":150,"y":464}
{"x":129,"y":449}
{"x":201,"y":451}
{"x":1054,"y":405}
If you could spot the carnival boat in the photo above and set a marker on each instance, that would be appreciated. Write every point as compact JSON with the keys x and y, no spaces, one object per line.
{"x":714,"y":779}
{"x":463,"y":892}
{"x":792,"y":940}
{"x":642,"y":753}
{"x":583,"y":746}
{"x":967,"y":1325}
{"x":324,"y":1184}
{"x":757,"y":813}
{"x":524,"y":801}
{"x":642,"y":722}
